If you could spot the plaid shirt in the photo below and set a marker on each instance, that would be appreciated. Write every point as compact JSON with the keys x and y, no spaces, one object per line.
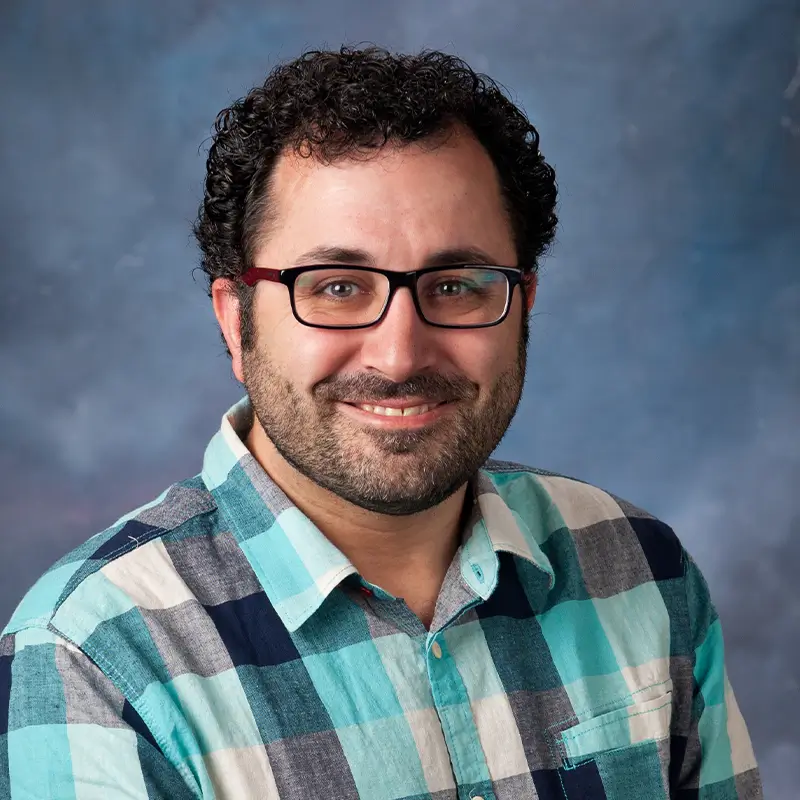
{"x":215,"y":644}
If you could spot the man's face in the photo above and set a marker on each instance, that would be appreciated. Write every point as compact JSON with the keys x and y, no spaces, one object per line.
{"x":402,"y":208}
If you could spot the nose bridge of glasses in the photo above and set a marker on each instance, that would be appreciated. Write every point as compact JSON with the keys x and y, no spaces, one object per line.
{"x":401,"y":280}
{"x":395,"y":282}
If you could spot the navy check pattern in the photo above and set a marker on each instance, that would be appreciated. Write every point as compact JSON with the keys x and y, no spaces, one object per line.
{"x":214,"y":644}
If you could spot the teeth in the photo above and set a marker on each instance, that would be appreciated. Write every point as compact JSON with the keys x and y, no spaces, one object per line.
{"x":397,"y":412}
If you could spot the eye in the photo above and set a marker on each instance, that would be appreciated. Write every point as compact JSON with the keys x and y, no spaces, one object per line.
{"x":341,"y":289}
{"x":453,"y":287}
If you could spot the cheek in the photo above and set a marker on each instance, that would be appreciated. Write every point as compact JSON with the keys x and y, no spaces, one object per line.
{"x":303,"y":355}
{"x":484,"y":357}
{"x":491,"y":352}
{"x":310,"y":358}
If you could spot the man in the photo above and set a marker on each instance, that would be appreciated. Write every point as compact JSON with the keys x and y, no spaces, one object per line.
{"x":350,"y":600}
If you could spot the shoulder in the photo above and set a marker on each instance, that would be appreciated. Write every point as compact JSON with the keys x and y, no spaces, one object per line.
{"x":183,"y":509}
{"x":597,"y":523}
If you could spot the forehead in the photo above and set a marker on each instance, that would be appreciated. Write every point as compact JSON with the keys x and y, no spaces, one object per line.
{"x":399,"y":202}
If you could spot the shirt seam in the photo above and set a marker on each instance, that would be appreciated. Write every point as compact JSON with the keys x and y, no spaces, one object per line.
{"x":105,"y":666}
{"x":119,"y":552}
{"x":574,"y":737}
{"x":504,"y":467}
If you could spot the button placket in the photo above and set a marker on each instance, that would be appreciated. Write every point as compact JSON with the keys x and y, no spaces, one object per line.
{"x":458,"y":725}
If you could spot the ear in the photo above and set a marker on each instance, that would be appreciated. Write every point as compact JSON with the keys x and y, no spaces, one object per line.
{"x":531,"y":281}
{"x":226,"y":309}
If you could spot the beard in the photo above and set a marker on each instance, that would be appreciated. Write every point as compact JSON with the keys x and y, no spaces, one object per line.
{"x":395,"y":472}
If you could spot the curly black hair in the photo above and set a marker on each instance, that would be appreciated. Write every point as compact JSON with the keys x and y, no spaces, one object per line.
{"x":331,"y":104}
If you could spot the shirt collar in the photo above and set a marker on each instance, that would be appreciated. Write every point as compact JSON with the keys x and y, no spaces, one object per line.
{"x":298,"y":567}
{"x":497,"y":526}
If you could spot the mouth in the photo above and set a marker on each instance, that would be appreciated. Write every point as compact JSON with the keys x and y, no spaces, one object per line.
{"x":398,"y":416}
{"x":403,"y":410}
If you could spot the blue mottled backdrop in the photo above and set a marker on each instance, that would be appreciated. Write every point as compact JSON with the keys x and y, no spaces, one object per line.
{"x":665,"y":354}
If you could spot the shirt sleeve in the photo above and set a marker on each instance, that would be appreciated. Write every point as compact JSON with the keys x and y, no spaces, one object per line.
{"x":718,"y":761}
{"x":67,"y":731}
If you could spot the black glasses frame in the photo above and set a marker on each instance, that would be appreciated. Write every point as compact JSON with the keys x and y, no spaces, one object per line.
{"x":514,"y":276}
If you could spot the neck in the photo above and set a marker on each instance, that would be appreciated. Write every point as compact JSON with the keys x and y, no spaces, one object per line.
{"x":406,"y":556}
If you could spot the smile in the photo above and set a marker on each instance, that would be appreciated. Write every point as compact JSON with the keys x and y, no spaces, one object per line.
{"x":416,"y":416}
{"x":408,"y":411}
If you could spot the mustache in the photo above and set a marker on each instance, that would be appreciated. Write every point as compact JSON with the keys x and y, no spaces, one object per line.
{"x":365,"y":388}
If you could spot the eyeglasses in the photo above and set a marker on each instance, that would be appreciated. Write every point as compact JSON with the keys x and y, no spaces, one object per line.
{"x":347,"y":297}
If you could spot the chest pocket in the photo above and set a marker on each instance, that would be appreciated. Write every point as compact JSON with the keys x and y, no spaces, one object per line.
{"x":620,"y":754}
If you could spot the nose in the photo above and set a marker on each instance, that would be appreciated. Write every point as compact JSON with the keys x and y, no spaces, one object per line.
{"x":399,"y":345}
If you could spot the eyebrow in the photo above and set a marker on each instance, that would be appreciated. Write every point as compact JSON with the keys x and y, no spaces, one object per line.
{"x":358,"y":257}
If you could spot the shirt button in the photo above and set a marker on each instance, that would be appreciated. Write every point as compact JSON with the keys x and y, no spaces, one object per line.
{"x":436,"y":649}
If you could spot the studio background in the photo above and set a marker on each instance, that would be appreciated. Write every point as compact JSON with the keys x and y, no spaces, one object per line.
{"x":664,"y":362}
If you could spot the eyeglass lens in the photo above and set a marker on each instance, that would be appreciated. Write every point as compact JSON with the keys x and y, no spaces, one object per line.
{"x":343,"y":296}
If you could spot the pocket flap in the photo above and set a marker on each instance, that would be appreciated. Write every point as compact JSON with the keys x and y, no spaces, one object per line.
{"x":640,"y":722}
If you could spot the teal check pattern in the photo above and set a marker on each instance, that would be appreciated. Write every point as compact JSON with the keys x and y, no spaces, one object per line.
{"x":214,"y":644}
